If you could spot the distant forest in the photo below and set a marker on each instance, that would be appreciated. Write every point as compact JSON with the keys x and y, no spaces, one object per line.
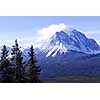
{"x":13,"y":69}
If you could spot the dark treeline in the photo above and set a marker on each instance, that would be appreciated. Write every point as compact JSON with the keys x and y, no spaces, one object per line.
{"x":14,"y":70}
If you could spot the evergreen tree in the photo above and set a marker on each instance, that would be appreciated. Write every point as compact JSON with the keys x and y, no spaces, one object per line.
{"x":17,"y":62}
{"x":5,"y":68}
{"x":33,"y":71}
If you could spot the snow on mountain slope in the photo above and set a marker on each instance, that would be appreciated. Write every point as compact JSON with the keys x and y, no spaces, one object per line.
{"x":62,"y":42}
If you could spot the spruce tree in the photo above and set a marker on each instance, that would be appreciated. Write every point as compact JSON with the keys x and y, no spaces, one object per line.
{"x":5,"y":68}
{"x":17,"y":62}
{"x":33,"y":71}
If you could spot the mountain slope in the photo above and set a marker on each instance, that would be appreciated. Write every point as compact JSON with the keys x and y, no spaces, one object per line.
{"x":62,"y":42}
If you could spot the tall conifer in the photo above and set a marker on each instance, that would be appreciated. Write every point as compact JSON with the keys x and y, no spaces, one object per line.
{"x":17,"y":62}
{"x":33,"y":71}
{"x":7,"y":72}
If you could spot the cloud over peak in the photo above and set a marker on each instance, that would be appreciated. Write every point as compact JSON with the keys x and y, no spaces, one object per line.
{"x":47,"y":32}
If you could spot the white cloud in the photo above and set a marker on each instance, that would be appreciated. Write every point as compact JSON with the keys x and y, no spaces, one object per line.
{"x":45,"y":33}
{"x":49,"y":31}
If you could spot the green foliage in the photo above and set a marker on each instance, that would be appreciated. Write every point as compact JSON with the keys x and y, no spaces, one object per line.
{"x":17,"y":62}
{"x":5,"y":69}
{"x":12,"y":69}
{"x":33,"y":71}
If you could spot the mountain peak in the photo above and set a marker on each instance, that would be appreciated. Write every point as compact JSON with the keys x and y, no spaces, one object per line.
{"x":64,"y":41}
{"x":69,"y":32}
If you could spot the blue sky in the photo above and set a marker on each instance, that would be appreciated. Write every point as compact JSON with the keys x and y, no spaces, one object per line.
{"x":26,"y":28}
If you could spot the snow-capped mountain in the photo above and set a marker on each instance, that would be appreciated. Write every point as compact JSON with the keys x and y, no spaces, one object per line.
{"x":71,"y":40}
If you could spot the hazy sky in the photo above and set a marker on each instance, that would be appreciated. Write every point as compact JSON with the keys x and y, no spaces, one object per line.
{"x":26,"y":28}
